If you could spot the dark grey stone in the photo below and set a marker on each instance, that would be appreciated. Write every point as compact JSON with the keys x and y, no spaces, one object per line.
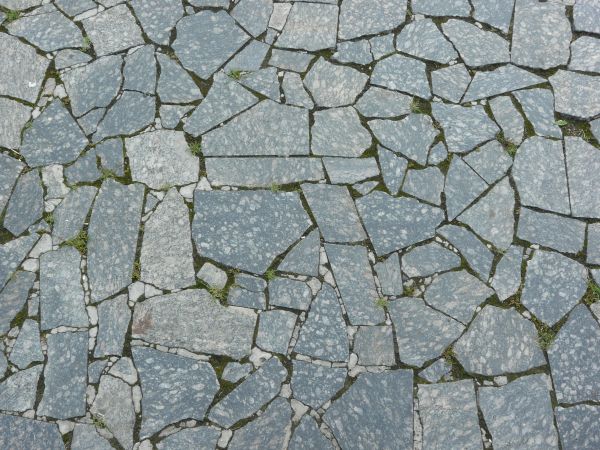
{"x":174,"y":84}
{"x":423,"y":39}
{"x":363,"y":17}
{"x":113,"y":30}
{"x":113,"y":405}
{"x":450,"y":83}
{"x":70,"y":215}
{"x":538,"y":106}
{"x":584,"y":54}
{"x":253,"y":15}
{"x":296,"y":61}
{"x":428,"y":259}
{"x":357,"y":52}
{"x":85,"y":169}
{"x":303,"y":258}
{"x":579,"y":427}
{"x":288,"y":293}
{"x":10,"y":169}
{"x":158,"y":17}
{"x":200,"y":438}
{"x":13,"y":297}
{"x":264,"y":82}
{"x":85,"y":437}
{"x":436,"y":371}
{"x":333,"y":85}
{"x":490,"y":49}
{"x":583,"y":163}
{"x":26,"y":203}
{"x":490,"y":161}
{"x":507,"y":277}
{"x":113,"y":321}
{"x":378,"y":102}
{"x":506,"y":78}
{"x":18,"y":391}
{"x":132,"y":112}
{"x":294,"y":92}
{"x":425,"y":184}
{"x":460,"y":8}
{"x":27,"y":348}
{"x":17,"y":431}
{"x":310,"y":26}
{"x":576,"y":94}
{"x":140,"y":70}
{"x":389,"y":275}
{"x":497,"y":13}
{"x":307,"y":436}
{"x":374,"y":346}
{"x":393,"y":169}
{"x":15,"y":117}
{"x":509,"y":118}
{"x":275,"y":330}
{"x":350,"y":170}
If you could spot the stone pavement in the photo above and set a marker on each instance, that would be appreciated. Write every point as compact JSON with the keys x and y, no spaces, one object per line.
{"x":320,"y":224}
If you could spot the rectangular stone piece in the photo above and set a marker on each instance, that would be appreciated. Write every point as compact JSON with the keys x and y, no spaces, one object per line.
{"x":550,"y":230}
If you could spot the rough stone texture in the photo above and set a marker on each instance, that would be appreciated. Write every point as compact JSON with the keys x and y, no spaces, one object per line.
{"x":70,"y":215}
{"x":114,"y":405}
{"x":347,"y":83}
{"x":113,"y":321}
{"x":157,"y":17}
{"x":17,"y":431}
{"x":578,"y":427}
{"x":451,"y":82}
{"x":314,"y":384}
{"x":10,"y":169}
{"x":362,"y":17}
{"x":507,"y":277}
{"x":550,"y":230}
{"x":576,"y":94}
{"x":375,"y":346}
{"x":378,"y":102}
{"x":200,"y":438}
{"x":426,"y":184}
{"x":310,"y":26}
{"x":583,"y":161}
{"x":303,"y":258}
{"x":490,"y":48}
{"x":403,"y":74}
{"x":307,"y":436}
{"x":18,"y":391}
{"x":509,"y":119}
{"x":428,"y":259}
{"x":132,"y":112}
{"x":26,"y":203}
{"x":496,"y":13}
{"x":498,"y":81}
{"x":490,"y":161}
{"x":16,"y":115}
{"x":538,"y":106}
{"x":113,"y":30}
{"x":478,"y":256}
{"x":338,"y":132}
{"x":458,"y":8}
{"x":27,"y":348}
{"x":174,"y":84}
{"x":423,"y":39}
{"x":13,"y":297}
{"x":275,"y":330}
{"x":289,"y":293}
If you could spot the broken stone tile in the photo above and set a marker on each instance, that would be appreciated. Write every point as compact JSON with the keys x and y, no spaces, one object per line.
{"x":110,"y":153}
{"x":460,"y":8}
{"x":583,"y":161}
{"x":509,"y":118}
{"x":307,"y":436}
{"x":192,"y":320}
{"x":357,"y":52}
{"x":497,"y":342}
{"x":382,"y":45}
{"x":14,"y":295}
{"x":507,"y":278}
{"x":190,"y":438}
{"x":61,"y":292}
{"x":528,"y":397}
{"x":350,"y":170}
{"x":251,"y":395}
{"x":158,"y":17}
{"x":140,"y":70}
{"x":493,"y":12}
{"x":253,"y":15}
{"x":363,"y":17}
{"x":248,"y":59}
{"x":491,"y":48}
{"x":584,"y":54}
{"x":84,"y":169}
{"x":85,"y":437}
{"x":541,"y":35}
{"x":264,"y":82}
{"x":303,"y":258}
{"x":428,"y":259}
{"x":114,"y":406}
{"x":585,"y":16}
{"x":478,"y":256}
{"x":378,"y":102}
{"x":574,"y":363}
{"x":593,"y":243}
{"x":423,"y":39}
{"x":27,"y":348}
{"x":174,"y":83}
{"x":70,"y":57}
{"x":18,"y":431}
{"x":550,"y":230}
{"x":540,"y":176}
{"x":406,"y":221}
{"x":113,"y":321}
{"x":450,"y":83}
{"x":437,"y":154}
{"x":18,"y":391}
{"x":290,"y":60}
{"x":389,"y":275}
{"x":234,"y":371}
{"x":411,"y":136}
{"x":506,"y":78}
{"x":314,"y":384}
{"x":375,"y":346}
{"x":385,"y":413}
{"x":578,"y":426}
{"x":15,"y":116}
{"x":294,"y":91}
{"x":338,"y":132}
{"x":26,"y":203}
{"x":288,"y":293}
{"x":275,"y":330}
{"x":323,"y":334}
{"x":113,"y":30}
{"x":65,"y":376}
{"x":404,"y":74}
{"x":113,"y":233}
{"x":425,"y":184}
{"x":173,"y":387}
{"x":248,"y":291}
{"x":436,"y":371}
{"x":446,"y":407}
{"x":576,"y":94}
{"x":89,"y":122}
{"x":70,"y":215}
{"x":490,"y":161}
{"x":333,"y":85}
{"x":310,"y":26}
{"x":132,"y":112}
{"x":10,"y":169}
{"x":171,"y":115}
{"x":464,"y":127}
{"x":422,"y":333}
{"x":393,"y":169}
{"x":538,"y":106}
{"x":125,"y":370}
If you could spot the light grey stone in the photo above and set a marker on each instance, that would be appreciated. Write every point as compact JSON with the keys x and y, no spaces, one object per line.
{"x":357,"y":52}
{"x":350,"y":170}
{"x":538,"y":106}
{"x":248,"y":291}
{"x":174,"y":84}
{"x":378,"y":102}
{"x":382,"y":45}
{"x":253,"y":15}
{"x":113,"y":30}
{"x":338,"y":132}
{"x":362,"y":17}
{"x":26,"y":203}
{"x":75,"y":7}
{"x":593,"y":244}
{"x":13,"y":296}
{"x":393,"y":169}
{"x":506,"y":78}
{"x":264,"y":82}
{"x":584,"y":54}
{"x":171,"y":115}
{"x":583,"y":163}
{"x":423,"y":39}
{"x":275,"y":330}
{"x":428,"y":259}
{"x":303,"y":258}
{"x":16,"y":116}
{"x":310,"y":26}
{"x":288,"y":293}
{"x":425,"y":184}
{"x":113,"y":321}
{"x":576,"y":94}
{"x":478,"y":256}
{"x":250,"y":58}
{"x":18,"y":391}
{"x":200,"y":438}
{"x":70,"y":57}
{"x":507,"y":278}
{"x":490,"y":161}
{"x":314,"y":384}
{"x":10,"y":169}
{"x":307,"y":436}
{"x":437,"y":154}
{"x":374,"y":346}
{"x":158,"y":17}
{"x":140,"y":70}
{"x":550,"y":230}
{"x":132,"y":112}
{"x":296,"y":61}
{"x":114,"y":406}
{"x":477,"y":47}
{"x":84,"y":170}
{"x":460,"y":8}
{"x":578,"y":426}
{"x":389,"y":275}
{"x":111,"y":157}
{"x":85,"y":437}
{"x":436,"y":371}
{"x":450,"y":83}
{"x":404,"y":74}
{"x":585,"y":16}
{"x":70,"y":215}
{"x":234,"y":371}
{"x":27,"y":348}
{"x":333,"y":85}
{"x":294,"y":91}
{"x":497,"y":13}
{"x":509,"y":118}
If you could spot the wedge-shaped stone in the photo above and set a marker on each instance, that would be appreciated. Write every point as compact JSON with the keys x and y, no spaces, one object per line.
{"x":158,"y":17}
{"x":423,"y":39}
{"x":333,"y":85}
{"x":18,"y":431}
{"x":507,"y":78}
{"x":507,"y":277}
{"x":428,"y":259}
{"x":496,"y":13}
{"x":14,"y":295}
{"x":264,"y":82}
{"x":585,"y":54}
{"x":538,"y":106}
{"x":362,"y":17}
{"x":393,"y":169}
{"x":139,"y":71}
{"x":450,"y":82}
{"x":114,"y":404}
{"x":551,"y":230}
{"x":425,"y":184}
{"x":86,"y":436}
{"x":463,"y":185}
{"x":275,"y":330}
{"x":378,"y":102}
{"x":389,"y":275}
{"x":10,"y":169}
{"x":338,"y":132}
{"x":314,"y":384}
{"x":18,"y":391}
{"x":403,"y":74}
{"x":576,"y":94}
{"x":113,"y":30}
{"x":579,"y":427}
{"x":303,"y":258}
{"x":113,"y":322}
{"x":174,"y":84}
{"x":310,"y":26}
{"x":270,"y":430}
{"x":490,"y":161}
{"x":476,"y":46}
{"x":132,"y":112}
{"x":27,"y":348}
{"x":253,"y":15}
{"x":307,"y":435}
{"x":374,"y":346}
{"x":478,"y":256}
{"x":70,"y":215}
{"x":26,"y":204}
{"x":15,"y":116}
{"x":295,"y":92}
{"x":583,"y":164}
{"x":509,"y":118}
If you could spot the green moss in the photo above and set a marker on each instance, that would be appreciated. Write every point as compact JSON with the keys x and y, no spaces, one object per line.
{"x":195,"y":148}
{"x":11,"y":16}
{"x":420,"y":106}
{"x":137,"y":271}
{"x":236,"y":74}
{"x":79,"y":242}
{"x":592,"y":294}
{"x":86,"y":44}
{"x":275,"y":188}
{"x":98,"y":421}
{"x":219,"y":294}
{"x":270,"y":274}
{"x":409,"y":290}
{"x":382,"y":302}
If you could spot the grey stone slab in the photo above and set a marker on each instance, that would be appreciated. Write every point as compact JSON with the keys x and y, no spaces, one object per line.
{"x":389,"y":275}
{"x":354,"y":278}
{"x":437,"y":154}
{"x":70,"y":57}
{"x":478,"y":256}
{"x":253,"y":15}
{"x":173,"y":388}
{"x":357,"y":52}
{"x":84,"y":169}
{"x":113,"y":321}
{"x":460,"y":8}
{"x":175,"y":85}
{"x":17,"y":431}
{"x":393,"y":169}
{"x":113,"y":233}
{"x":16,"y":116}
{"x":314,"y":384}
{"x":425,"y":184}
{"x":18,"y":391}
{"x":404,"y":74}
{"x":497,"y":13}
{"x":476,"y":47}
{"x":526,"y":397}
{"x":378,"y":102}
{"x":541,"y":35}
{"x":27,"y":348}
{"x":26,"y":203}
{"x":200,"y":438}
{"x":338,"y":132}
{"x":61,"y":292}
{"x":248,"y":292}
{"x":585,"y":16}
{"x":428,"y":259}
{"x":499,"y":341}
{"x":310,"y":26}
{"x":540,"y":175}
{"x":65,"y":376}
{"x":234,"y":371}
{"x":375,"y":411}
{"x":251,"y":395}
{"x":423,"y":39}
{"x":382,"y":45}
{"x":584,"y":54}
{"x":574,"y":363}
{"x":303,"y":258}
{"x":171,"y":115}
{"x":70,"y":215}
{"x":75,"y":7}
{"x":275,"y":330}
{"x":436,"y":371}
{"x":411,"y":136}
{"x":583,"y":163}
{"x":464,"y":127}
{"x":506,"y":78}
{"x":111,"y":157}
{"x":509,"y":118}
{"x":323,"y":334}
{"x":450,"y":83}
{"x":250,"y":58}
{"x":593,"y":244}
{"x":294,"y":92}
{"x":132,"y":112}
{"x":507,"y":277}
{"x":350,"y":170}
{"x":334,"y":85}
{"x":490,"y":161}
{"x":396,"y":223}
{"x":10,"y":169}
{"x":158,"y":17}
{"x":139,"y":71}
{"x":576,"y":94}
{"x":363,"y":17}
{"x":113,"y":30}
{"x":307,"y":436}
{"x":296,"y":61}
{"x":578,"y":427}
{"x":422,"y":333}
{"x":550,"y":230}
{"x":89,"y":122}
{"x":12,"y":254}
{"x":288,"y":293}
{"x":85,"y":437}
{"x":264,"y":82}
{"x":13,"y":297}
{"x":193,"y":320}
{"x":538,"y":106}
{"x":22,"y":69}
{"x":53,"y":138}
{"x":3,"y":364}
{"x":446,"y":408}
{"x":374,"y":346}
{"x":114,"y":406}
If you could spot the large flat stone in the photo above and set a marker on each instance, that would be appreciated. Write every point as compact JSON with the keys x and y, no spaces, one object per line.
{"x":310,"y":26}
{"x":583,"y":163}
{"x":334,"y":85}
{"x":18,"y":431}
{"x":404,"y":74}
{"x":576,"y":94}
{"x":362,"y":17}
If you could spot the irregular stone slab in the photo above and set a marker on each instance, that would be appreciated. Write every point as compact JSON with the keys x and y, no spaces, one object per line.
{"x":249,"y":59}
{"x":573,"y":361}
{"x":423,"y":39}
{"x":451,"y":82}
{"x":389,"y":275}
{"x":335,"y":213}
{"x":509,"y":118}
{"x":206,"y":40}
{"x":585,"y":16}
{"x":478,"y":256}
{"x":507,"y":278}
{"x":307,"y":436}
{"x":85,"y":169}
{"x":362,"y":17}
{"x":27,"y":348}
{"x":436,"y":371}
{"x":294,"y":91}
{"x":459,"y":8}
{"x":296,"y":61}
{"x":585,"y":53}
{"x":288,"y":293}
{"x":579,"y":427}
{"x":171,"y":115}
{"x":193,"y":320}
{"x":375,"y":346}
{"x":10,"y":169}
{"x":550,"y":230}
{"x":526,"y":397}
{"x":253,"y":15}
{"x":493,"y":12}
{"x":350,"y":170}
{"x":113,"y":321}
{"x":70,"y":57}
{"x":18,"y":431}
{"x":354,"y":278}
{"x":437,"y":154}
{"x":428,"y":259}
{"x":174,"y":84}
{"x":234,"y":372}
{"x":541,"y":35}
{"x":490,"y":48}
{"x":425,"y":184}
{"x":65,"y":376}
{"x":338,"y":132}
{"x":303,"y":258}
{"x":85,"y":437}
{"x":405,"y":222}
{"x":403,"y":74}
{"x":190,"y":439}
{"x":113,"y":30}
{"x":158,"y":17}
{"x":411,"y":136}
{"x":393,"y":169}
{"x":464,"y":127}
{"x":140,"y":70}
{"x":173,"y":388}
{"x":18,"y":391}
{"x":53,"y":138}
{"x":132,"y":112}
{"x":540,"y":176}
{"x":22,"y":69}
{"x":314,"y":384}
{"x":61,"y":292}
{"x":275,"y":330}
{"x":553,"y":285}
{"x":221,"y":235}
{"x":70,"y":215}
{"x":264,"y":82}
{"x":248,"y":291}
{"x":113,"y":233}
{"x":26,"y":204}
{"x":385,"y":414}
{"x":358,"y":52}
{"x":593,"y":244}
{"x":310,"y":26}
{"x":498,"y":81}
{"x":323,"y":334}
{"x":576,"y":94}
{"x":89,"y":122}
{"x":538,"y":105}
{"x":251,"y":395}
{"x":47,"y":28}
{"x":457,"y":294}
{"x":490,"y":161}
{"x":270,"y":430}
{"x":583,"y":161}
{"x":422,"y":333}
{"x":267,"y":129}
{"x":16,"y":116}
{"x":499,"y":341}
{"x":114,"y":405}
{"x":446,"y":407}
{"x":333,"y":85}
{"x":14,"y":296}
{"x":378,"y":102}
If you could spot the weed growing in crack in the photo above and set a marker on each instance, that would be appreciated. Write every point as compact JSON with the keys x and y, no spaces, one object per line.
{"x":382,"y":302}
{"x":79,"y":242}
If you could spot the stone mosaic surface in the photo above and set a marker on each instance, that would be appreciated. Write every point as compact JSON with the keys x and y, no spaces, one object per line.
{"x":307,"y":224}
